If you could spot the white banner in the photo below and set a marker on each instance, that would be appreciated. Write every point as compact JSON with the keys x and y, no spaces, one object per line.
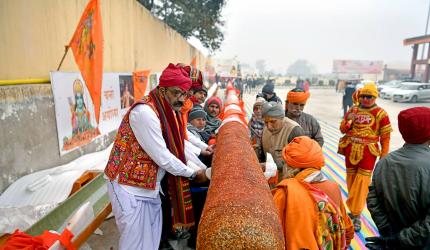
{"x":110,"y":110}
{"x":357,"y":66}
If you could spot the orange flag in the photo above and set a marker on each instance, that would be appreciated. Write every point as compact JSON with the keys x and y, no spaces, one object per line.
{"x":87,"y":47}
{"x":140,"y":81}
{"x":194,"y":62}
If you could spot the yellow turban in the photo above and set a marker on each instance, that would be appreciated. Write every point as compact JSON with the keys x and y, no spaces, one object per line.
{"x":303,"y":152}
{"x":369,"y":89}
{"x":297,"y":97}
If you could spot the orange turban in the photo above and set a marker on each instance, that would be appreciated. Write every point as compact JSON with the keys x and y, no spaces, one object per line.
{"x":298,"y":97}
{"x":303,"y":152}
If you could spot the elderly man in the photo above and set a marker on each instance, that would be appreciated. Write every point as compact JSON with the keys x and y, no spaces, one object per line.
{"x":150,"y":142}
{"x":365,"y":127}
{"x":399,"y":197}
{"x":296,"y":199}
{"x":294,"y":105}
{"x":278,"y":131}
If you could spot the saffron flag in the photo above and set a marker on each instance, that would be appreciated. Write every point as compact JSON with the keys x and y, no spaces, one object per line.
{"x":87,"y":47}
{"x":140,"y":82}
{"x":194,"y":62}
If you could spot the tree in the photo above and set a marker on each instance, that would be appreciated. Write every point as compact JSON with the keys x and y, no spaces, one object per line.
{"x":261,"y":66}
{"x":198,"y":18}
{"x":301,"y":68}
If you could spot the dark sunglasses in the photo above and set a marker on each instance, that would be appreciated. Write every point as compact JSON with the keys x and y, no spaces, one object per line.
{"x":367,"y":96}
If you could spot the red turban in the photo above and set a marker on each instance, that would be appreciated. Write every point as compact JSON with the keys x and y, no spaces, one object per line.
{"x":175,"y":76}
{"x":414,"y":125}
{"x":303,"y":152}
{"x":195,"y":75}
{"x":297,"y":97}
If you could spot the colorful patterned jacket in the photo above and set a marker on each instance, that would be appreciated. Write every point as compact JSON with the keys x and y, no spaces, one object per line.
{"x":128,"y":161}
{"x":368,"y":127}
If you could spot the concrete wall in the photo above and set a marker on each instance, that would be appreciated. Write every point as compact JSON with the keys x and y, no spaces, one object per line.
{"x":32,"y":38}
{"x":33,"y":34}
{"x":29,"y":134}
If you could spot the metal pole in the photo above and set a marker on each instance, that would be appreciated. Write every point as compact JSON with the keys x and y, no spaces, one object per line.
{"x":425,"y":33}
{"x":66,"y":49}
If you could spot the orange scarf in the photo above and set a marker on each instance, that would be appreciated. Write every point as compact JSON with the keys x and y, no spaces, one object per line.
{"x":188,"y":105}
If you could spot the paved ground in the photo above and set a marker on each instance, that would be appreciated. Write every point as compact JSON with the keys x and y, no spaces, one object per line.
{"x":324,"y":104}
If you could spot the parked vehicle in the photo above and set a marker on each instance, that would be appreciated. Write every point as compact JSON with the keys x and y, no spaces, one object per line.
{"x":386,"y":91}
{"x":412,"y":92}
{"x":389,"y":84}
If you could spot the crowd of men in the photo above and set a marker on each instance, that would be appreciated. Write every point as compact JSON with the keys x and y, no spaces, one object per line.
{"x":158,"y":172}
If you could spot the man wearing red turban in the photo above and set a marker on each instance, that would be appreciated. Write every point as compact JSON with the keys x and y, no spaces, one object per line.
{"x":198,"y":91}
{"x":296,"y":199}
{"x":149,"y":143}
{"x":294,"y":105}
{"x":399,"y":197}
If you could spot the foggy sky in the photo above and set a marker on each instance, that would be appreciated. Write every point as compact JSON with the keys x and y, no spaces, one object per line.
{"x":282,"y":31}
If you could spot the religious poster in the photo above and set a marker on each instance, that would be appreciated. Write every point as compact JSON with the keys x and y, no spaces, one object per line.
{"x":74,"y":111}
{"x":126,"y":91}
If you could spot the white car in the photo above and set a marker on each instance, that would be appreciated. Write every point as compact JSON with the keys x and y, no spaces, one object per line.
{"x":390,"y":84}
{"x":387,"y":91}
{"x":412,"y":92}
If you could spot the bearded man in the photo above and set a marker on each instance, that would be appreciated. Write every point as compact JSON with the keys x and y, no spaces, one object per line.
{"x":149,"y":143}
{"x":294,"y":105}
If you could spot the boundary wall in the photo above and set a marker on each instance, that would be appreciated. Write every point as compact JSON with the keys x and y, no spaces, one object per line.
{"x":32,"y":39}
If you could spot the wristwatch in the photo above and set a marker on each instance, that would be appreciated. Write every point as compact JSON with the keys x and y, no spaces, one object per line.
{"x":193,"y":176}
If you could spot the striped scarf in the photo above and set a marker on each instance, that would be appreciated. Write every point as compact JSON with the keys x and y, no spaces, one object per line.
{"x":173,"y":134}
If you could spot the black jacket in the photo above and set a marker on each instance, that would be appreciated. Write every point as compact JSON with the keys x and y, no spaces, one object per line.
{"x":274,"y":98}
{"x":399,"y":197}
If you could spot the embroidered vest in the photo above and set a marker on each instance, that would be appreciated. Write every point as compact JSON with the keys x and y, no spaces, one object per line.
{"x":127,"y":160}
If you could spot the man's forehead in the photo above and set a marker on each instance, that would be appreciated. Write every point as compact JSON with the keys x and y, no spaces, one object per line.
{"x":297,"y":103}
{"x":270,"y":119}
{"x":175,"y":89}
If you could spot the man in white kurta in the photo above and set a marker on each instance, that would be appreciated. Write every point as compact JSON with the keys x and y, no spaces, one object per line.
{"x":137,"y":210}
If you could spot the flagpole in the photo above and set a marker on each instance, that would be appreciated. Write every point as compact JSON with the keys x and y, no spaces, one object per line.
{"x":66,"y":49}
